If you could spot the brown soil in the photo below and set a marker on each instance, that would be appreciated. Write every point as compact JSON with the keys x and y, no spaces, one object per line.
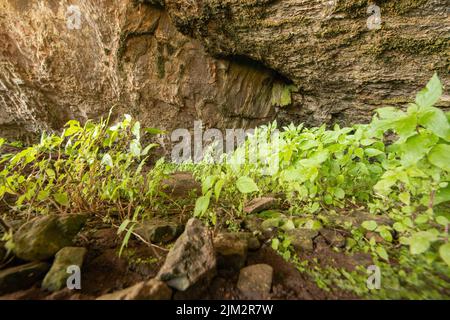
{"x":104,"y":271}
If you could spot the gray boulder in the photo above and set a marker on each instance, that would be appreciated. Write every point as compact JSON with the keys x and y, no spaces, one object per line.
{"x":260,"y":204}
{"x":255,"y":281}
{"x":56,"y":278}
{"x":42,"y":237}
{"x":333,"y":237}
{"x":231,"y":249}
{"x":192,"y":258}
{"x":302,"y":239}
{"x":159,"y":230}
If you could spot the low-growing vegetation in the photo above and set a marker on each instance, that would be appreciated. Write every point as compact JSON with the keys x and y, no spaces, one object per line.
{"x":394,"y":171}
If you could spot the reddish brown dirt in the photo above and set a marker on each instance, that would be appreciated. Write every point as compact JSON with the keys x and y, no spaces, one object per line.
{"x":104,"y":272}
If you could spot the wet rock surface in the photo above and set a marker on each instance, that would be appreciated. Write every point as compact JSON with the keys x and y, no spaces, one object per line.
{"x":255,"y":281}
{"x":42,"y":237}
{"x":191,"y":259}
{"x":227,"y":64}
{"x":160,"y":230}
{"x":231,"y":250}
{"x":148,"y":290}
{"x":56,"y":278}
{"x":302,"y":239}
{"x":22,"y":277}
{"x":181,"y":185}
{"x":260,"y":204}
{"x":333,"y":237}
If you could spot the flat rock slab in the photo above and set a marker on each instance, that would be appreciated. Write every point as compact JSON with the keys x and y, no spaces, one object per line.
{"x":56,"y":278}
{"x":333,"y":237}
{"x":160,"y":230}
{"x":181,"y":185}
{"x":231,"y":249}
{"x":255,"y":281}
{"x":42,"y":237}
{"x":22,"y":277}
{"x":260,"y":204}
{"x":147,"y":290}
{"x":191,"y":259}
{"x":302,"y":239}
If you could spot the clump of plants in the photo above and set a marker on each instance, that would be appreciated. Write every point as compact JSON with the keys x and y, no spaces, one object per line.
{"x":397,"y":166}
{"x":90,"y":168}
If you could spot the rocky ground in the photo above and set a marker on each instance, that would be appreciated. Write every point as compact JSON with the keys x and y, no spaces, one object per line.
{"x":168,"y":257}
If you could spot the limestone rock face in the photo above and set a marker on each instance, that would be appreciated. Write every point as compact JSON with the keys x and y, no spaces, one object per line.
{"x":229,"y":63}
{"x":342,"y":68}
{"x":126,"y":54}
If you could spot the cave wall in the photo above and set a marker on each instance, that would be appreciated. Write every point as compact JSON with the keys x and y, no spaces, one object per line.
{"x":126,"y":55}
{"x":342,"y":68}
{"x":230,"y":63}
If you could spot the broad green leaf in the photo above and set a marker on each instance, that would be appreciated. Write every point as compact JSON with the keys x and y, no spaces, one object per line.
{"x":369,"y":225}
{"x":416,"y":147}
{"x":246,"y":185}
{"x":135,"y":148}
{"x":61,"y":198}
{"x":202,"y":204}
{"x":371,"y":152}
{"x":421,"y":219}
{"x":382,"y":253}
{"x":444,"y":252}
{"x":313,"y":225}
{"x":389,"y":113}
{"x":434,"y":119}
{"x":275,"y":244}
{"x":400,"y":227}
{"x":442,"y":220}
{"x":386,"y":234}
{"x":443,"y":195}
{"x":288,"y":225}
{"x":404,"y":197}
{"x":72,"y":130}
{"x":123,"y":226}
{"x":440,"y":156}
{"x":406,"y":126}
{"x":43,"y":195}
{"x":208,"y":183}
{"x":154,"y":131}
{"x":339,"y":193}
{"x":50,"y":172}
{"x":136,"y":130}
{"x":218,"y":188}
{"x":418,"y":245}
{"x":420,"y":241}
{"x":107,"y":160}
{"x":428,"y":96}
